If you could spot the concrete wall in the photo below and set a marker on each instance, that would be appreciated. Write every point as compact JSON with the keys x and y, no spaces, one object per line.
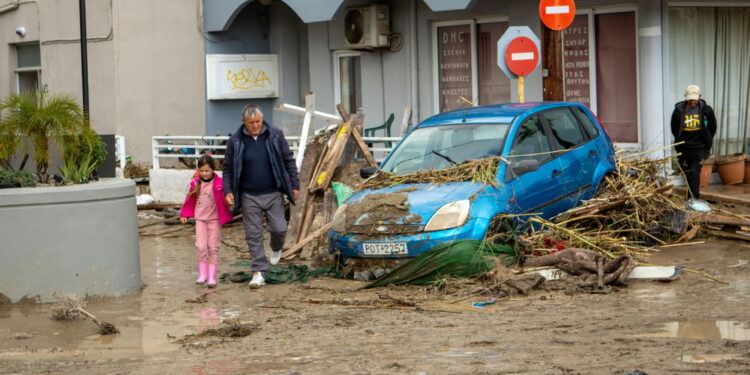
{"x":160,"y":71}
{"x":80,"y":239}
{"x":146,"y":63}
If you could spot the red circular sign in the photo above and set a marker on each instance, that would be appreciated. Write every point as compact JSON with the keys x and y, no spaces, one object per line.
{"x":557,"y":14}
{"x":521,"y":56}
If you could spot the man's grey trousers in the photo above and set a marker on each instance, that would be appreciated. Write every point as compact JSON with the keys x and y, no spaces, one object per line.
{"x":253,"y":207}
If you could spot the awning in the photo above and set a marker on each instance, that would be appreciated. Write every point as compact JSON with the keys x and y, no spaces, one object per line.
{"x":443,"y":5}
{"x":218,"y":15}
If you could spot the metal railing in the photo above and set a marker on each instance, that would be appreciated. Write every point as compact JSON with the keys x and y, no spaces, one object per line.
{"x":192,"y":147}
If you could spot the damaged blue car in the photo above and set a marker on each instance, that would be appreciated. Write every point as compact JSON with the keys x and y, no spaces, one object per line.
{"x":550,"y":157}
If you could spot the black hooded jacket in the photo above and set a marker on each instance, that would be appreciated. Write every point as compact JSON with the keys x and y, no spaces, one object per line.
{"x":282,"y":164}
{"x":708,"y":124}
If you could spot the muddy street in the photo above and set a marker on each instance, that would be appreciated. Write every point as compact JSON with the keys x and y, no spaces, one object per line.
{"x":328,"y":326}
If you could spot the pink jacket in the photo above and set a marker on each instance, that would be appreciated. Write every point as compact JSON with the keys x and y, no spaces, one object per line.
{"x":188,"y":208}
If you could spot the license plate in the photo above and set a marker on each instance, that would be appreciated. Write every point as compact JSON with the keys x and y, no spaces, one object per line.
{"x":385,"y":248}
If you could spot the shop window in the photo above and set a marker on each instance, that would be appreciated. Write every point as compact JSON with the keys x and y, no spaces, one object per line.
{"x":598,"y":67}
{"x":466,"y":64}
{"x":28,"y":68}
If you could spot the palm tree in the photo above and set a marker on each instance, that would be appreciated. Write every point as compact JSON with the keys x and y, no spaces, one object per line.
{"x":42,"y":118}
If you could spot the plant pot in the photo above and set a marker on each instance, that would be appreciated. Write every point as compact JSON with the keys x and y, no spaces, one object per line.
{"x":707,"y":166}
{"x":747,"y":169}
{"x":731,"y":169}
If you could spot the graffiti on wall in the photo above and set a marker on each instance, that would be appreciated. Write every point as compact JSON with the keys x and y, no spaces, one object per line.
{"x":246,"y":79}
{"x":242,"y":76}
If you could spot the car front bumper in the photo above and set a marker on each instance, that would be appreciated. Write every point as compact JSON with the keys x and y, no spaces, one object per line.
{"x":352,"y":245}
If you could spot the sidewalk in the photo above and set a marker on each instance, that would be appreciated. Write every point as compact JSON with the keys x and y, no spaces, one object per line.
{"x":732,"y":194}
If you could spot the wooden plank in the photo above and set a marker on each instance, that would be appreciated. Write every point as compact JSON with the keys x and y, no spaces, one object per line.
{"x":292,"y":252}
{"x":307,"y":217}
{"x":357,"y":137}
{"x":733,"y":236}
{"x":714,"y":219}
{"x":331,"y":160}
{"x":312,"y":153}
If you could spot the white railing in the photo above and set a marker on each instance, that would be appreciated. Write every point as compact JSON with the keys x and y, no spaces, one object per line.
{"x":192,"y":147}
{"x":120,"y":154}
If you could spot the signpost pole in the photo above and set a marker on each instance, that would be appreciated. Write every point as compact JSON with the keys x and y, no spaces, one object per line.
{"x":520,"y":89}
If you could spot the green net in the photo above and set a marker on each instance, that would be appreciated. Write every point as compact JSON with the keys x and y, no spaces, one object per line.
{"x":277,"y":274}
{"x":462,"y":258}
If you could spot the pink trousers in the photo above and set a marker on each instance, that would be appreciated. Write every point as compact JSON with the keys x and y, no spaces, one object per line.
{"x":207,"y":240}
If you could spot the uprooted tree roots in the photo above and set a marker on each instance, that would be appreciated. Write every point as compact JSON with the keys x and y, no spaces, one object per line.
{"x":72,"y":308}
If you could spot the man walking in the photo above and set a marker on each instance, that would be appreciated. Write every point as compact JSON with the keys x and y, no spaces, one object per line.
{"x":258,"y":170}
{"x":693,"y":122}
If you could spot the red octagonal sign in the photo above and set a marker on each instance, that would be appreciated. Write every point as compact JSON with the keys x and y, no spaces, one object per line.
{"x":521,"y":56}
{"x":557,"y":14}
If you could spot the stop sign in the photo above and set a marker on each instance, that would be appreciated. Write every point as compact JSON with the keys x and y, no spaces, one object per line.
{"x":521,"y":56}
{"x":557,"y":14}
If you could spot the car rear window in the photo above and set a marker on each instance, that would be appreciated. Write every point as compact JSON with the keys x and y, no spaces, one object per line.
{"x":585,"y":120}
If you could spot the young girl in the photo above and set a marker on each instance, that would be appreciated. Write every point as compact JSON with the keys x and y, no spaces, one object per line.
{"x":205,"y":202}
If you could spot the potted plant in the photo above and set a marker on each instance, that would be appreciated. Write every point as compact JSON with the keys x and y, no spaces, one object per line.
{"x":42,"y":118}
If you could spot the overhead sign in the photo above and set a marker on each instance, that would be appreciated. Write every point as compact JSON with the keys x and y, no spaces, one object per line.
{"x":516,"y":32}
{"x":521,"y":56}
{"x":557,"y":14}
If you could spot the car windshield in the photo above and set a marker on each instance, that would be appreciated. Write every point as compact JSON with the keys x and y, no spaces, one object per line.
{"x":438,"y":147}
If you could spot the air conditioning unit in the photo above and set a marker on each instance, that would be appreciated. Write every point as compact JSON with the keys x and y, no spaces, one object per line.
{"x":367,"y":27}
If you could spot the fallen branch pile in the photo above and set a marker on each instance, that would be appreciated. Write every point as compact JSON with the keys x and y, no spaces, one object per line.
{"x":483,"y":171}
{"x":634,"y":209}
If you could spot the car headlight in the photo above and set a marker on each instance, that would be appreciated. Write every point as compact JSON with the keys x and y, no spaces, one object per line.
{"x":451,"y":215}
{"x":338,"y":224}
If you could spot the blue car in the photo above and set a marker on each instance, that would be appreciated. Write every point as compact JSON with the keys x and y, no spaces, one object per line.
{"x":554,"y":155}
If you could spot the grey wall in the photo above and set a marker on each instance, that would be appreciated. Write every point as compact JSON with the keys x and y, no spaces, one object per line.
{"x":80,"y":239}
{"x":248,"y":34}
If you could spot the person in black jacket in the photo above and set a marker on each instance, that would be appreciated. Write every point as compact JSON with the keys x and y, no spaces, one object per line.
{"x":259,"y":169}
{"x":694,"y":124}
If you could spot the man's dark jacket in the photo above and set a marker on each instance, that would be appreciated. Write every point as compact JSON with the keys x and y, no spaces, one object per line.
{"x":708,"y":122}
{"x":282,"y":164}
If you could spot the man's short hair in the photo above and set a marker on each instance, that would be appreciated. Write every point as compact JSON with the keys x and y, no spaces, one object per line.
{"x":251,"y":110}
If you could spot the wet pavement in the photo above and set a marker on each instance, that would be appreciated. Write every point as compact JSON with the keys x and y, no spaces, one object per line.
{"x":690,"y":325}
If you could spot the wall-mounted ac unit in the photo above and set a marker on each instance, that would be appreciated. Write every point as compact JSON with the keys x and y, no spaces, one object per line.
{"x":367,"y":27}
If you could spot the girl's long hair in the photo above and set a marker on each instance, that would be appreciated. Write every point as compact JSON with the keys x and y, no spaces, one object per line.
{"x":205,"y":159}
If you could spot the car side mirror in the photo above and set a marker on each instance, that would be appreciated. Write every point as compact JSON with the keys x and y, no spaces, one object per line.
{"x":367,"y":172}
{"x":525,"y":166}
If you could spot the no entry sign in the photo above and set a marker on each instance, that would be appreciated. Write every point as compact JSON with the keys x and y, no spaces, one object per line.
{"x":521,"y":56}
{"x":557,"y":14}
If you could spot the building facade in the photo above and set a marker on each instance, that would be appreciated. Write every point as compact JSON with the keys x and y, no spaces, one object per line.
{"x":153,"y":64}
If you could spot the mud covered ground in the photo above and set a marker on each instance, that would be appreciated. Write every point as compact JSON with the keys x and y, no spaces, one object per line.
{"x":690,"y":326}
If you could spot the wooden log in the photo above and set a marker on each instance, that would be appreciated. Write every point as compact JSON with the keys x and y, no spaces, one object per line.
{"x":292,"y":252}
{"x":733,"y":236}
{"x":714,"y":219}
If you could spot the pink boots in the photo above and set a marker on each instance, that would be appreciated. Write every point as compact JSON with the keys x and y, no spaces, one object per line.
{"x":203,"y":270}
{"x":207,"y":273}
{"x":211,"y":275}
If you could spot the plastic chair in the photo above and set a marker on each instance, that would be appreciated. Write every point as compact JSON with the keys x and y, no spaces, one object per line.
{"x":386,"y":126}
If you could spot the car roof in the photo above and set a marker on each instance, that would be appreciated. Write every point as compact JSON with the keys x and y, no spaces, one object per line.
{"x":492,"y":114}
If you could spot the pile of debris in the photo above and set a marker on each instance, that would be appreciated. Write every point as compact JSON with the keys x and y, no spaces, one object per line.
{"x":328,"y":157}
{"x":482,"y":171}
{"x":633,"y":210}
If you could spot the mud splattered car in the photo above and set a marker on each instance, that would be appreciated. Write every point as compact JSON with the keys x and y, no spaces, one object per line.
{"x":551,"y":156}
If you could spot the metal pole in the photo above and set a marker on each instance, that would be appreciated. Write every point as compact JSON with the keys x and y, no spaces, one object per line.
{"x":84,"y":58}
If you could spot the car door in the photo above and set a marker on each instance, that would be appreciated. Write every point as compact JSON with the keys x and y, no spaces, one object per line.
{"x":576,"y":153}
{"x":535,"y":191}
